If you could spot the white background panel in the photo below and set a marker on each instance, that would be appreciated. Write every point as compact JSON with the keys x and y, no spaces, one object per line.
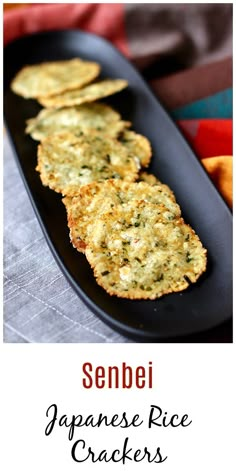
{"x":196,"y":380}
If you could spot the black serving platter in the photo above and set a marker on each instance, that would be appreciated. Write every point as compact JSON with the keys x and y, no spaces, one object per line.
{"x":206,"y":304}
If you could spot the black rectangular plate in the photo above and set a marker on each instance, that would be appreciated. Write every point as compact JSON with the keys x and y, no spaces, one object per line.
{"x":204,"y":305}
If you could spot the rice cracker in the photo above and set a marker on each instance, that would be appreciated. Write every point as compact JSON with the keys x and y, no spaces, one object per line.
{"x":100,"y":197}
{"x":96,"y":117}
{"x":91,"y":93}
{"x":50,"y":78}
{"x":138,"y":253}
{"x":138,"y":145}
{"x":66,"y":161}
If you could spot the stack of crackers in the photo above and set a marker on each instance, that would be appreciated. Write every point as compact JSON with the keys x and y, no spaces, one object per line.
{"x":126,"y":222}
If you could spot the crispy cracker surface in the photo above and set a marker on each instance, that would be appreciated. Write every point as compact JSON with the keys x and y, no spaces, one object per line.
{"x":149,"y":178}
{"x":96,"y":117}
{"x":50,"y":78}
{"x":90,"y":93}
{"x":137,"y":252}
{"x":100,"y":197}
{"x":138,"y":145}
{"x":66,"y":162}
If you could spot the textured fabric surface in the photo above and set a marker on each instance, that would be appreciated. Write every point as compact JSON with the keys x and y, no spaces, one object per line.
{"x":103,"y":19}
{"x":39,"y":304}
{"x":178,"y":89}
{"x":209,"y":138}
{"x":184,"y":51}
{"x":177,"y":35}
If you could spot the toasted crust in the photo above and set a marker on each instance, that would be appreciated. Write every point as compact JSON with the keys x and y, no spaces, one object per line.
{"x":91,"y":93}
{"x":98,"y":198}
{"x":50,"y":78}
{"x":66,"y":162}
{"x":153,"y":181}
{"x":149,"y":178}
{"x":96,"y":117}
{"x":138,"y":145}
{"x":145,"y":260}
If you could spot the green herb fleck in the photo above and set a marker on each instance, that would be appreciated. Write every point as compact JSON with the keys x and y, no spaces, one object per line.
{"x":161,"y":277}
{"x":138,"y":260}
{"x":188,"y":258}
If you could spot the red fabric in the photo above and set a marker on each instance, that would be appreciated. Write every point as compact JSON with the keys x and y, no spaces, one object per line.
{"x":208,"y":137}
{"x":92,"y":17}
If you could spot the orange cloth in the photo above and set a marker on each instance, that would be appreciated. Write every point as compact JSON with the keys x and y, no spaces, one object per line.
{"x":7,"y":6}
{"x":220,"y":171}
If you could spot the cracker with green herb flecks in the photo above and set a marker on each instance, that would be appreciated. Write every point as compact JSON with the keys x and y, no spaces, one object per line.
{"x":51,"y":78}
{"x":91,"y":93}
{"x":66,"y":162}
{"x":100,"y":197}
{"x":95,"y":117}
{"x":138,"y":145}
{"x":137,"y":252}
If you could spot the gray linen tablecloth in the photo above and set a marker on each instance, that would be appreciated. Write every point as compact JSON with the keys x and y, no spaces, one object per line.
{"x":39,"y":305}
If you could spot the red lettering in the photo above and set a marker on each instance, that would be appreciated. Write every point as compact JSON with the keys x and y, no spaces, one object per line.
{"x":100,"y":374}
{"x":88,"y":381}
{"x":124,"y":376}
{"x":150,"y":374}
{"x":126,"y":369}
{"x":140,"y":377}
{"x":110,"y":382}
